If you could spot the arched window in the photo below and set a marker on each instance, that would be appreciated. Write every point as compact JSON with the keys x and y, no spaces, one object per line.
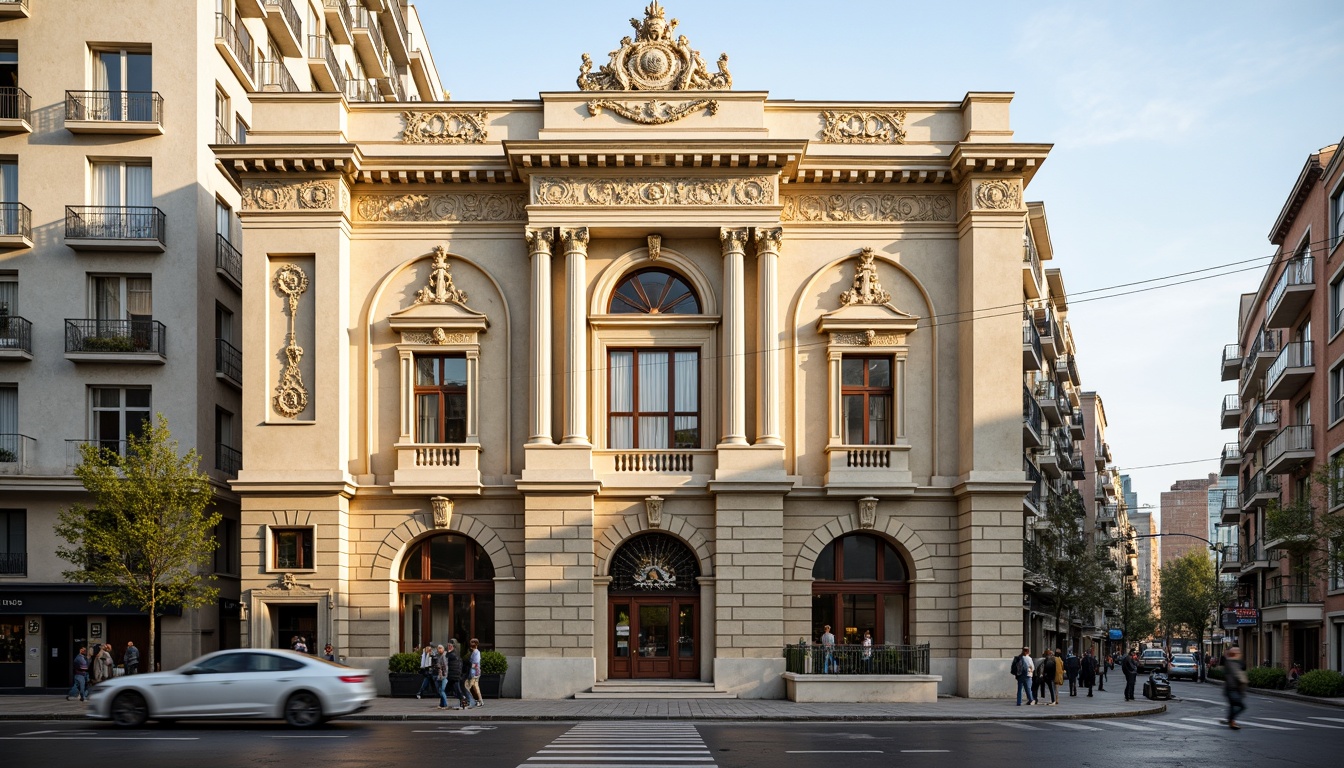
{"x":447,"y":592}
{"x":859,"y":583}
{"x":654,"y":292}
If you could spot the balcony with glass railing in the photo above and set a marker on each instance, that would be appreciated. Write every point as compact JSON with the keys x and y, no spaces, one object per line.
{"x":116,"y":228}
{"x":15,"y":110}
{"x":1290,"y":449}
{"x":1291,"y":293}
{"x":120,"y":112}
{"x":285,"y":25}
{"x":1290,"y":371}
{"x":234,"y":44}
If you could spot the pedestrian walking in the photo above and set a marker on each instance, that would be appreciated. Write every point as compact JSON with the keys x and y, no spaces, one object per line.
{"x":867,"y":651}
{"x":453,"y":665}
{"x":1234,"y":686}
{"x":427,"y":678}
{"x":441,"y":676}
{"x":1087,"y":671}
{"x":1072,"y":665}
{"x":1130,"y":668}
{"x":1038,"y":680}
{"x":828,"y":651}
{"x":80,"y":667}
{"x":1021,"y":669}
{"x":473,"y":672}
{"x":329,"y":653}
{"x":102,"y":663}
{"x":1050,"y":669}
{"x":1059,"y":669}
{"x":1104,"y":666}
{"x":131,"y":661}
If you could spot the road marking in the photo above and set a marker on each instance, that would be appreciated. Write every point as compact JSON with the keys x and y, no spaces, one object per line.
{"x":1076,"y":726}
{"x":838,"y":751}
{"x":99,"y":738}
{"x":1130,"y":726}
{"x":1205,"y":701}
{"x":1021,"y":726}
{"x":617,"y":759}
{"x":618,"y":745}
{"x":1299,"y":722}
{"x":311,"y":736}
{"x":926,"y":750}
{"x":1182,"y":726}
{"x":1330,"y":719}
{"x":1239,"y":722}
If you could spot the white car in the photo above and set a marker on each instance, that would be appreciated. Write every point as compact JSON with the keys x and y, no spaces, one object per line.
{"x":302,"y":690}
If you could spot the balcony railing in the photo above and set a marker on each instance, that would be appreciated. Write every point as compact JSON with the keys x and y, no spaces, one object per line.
{"x":16,"y":335}
{"x":114,"y":106}
{"x":237,"y":39}
{"x":361,"y":18}
{"x":358,"y":89}
{"x":1286,"y":593}
{"x":1266,"y":344}
{"x":274,"y":76}
{"x":222,"y":135}
{"x":1036,"y":494}
{"x":15,"y":104}
{"x":1231,"y":361}
{"x":1262,"y":415}
{"x":13,"y":563}
{"x":1299,"y":271}
{"x":116,"y":336}
{"x":1031,"y":414}
{"x":320,"y":47}
{"x":809,"y":659}
{"x":228,"y":361}
{"x":228,"y":459}
{"x":1261,"y":483}
{"x":14,"y":450}
{"x":228,"y":260}
{"x":1032,"y":354}
{"x":1231,"y":454}
{"x":1294,"y":355}
{"x":16,"y":219}
{"x":115,"y":222}
{"x":1290,"y":448}
{"x":113,"y":450}
{"x":394,"y":77}
{"x":290,"y":15}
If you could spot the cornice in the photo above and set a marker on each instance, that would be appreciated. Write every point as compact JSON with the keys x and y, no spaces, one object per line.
{"x":1312,"y":170}
{"x":239,"y":159}
{"x":1007,"y":158}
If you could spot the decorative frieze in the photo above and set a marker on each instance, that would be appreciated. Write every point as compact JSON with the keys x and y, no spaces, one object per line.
{"x":869,"y":338}
{"x":312,"y":195}
{"x":437,"y":336}
{"x":868,"y":127}
{"x":291,"y":397}
{"x":654,"y":61}
{"x":441,"y":126}
{"x":654,"y":191}
{"x":866,"y":206}
{"x":653,"y":111}
{"x":445,"y":207}
{"x":998,"y":195}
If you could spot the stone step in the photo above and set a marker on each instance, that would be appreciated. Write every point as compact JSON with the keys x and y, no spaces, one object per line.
{"x":654,"y":689}
{"x":711,"y":694}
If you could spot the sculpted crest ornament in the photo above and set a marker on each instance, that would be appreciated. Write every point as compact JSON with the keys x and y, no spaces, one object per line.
{"x":653,"y":61}
{"x":867,"y":289}
{"x":291,"y":397}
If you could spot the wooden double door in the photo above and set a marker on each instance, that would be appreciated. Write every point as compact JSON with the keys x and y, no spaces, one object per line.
{"x":654,"y":637}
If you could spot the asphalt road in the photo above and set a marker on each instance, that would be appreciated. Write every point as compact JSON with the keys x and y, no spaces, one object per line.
{"x":1275,"y":732}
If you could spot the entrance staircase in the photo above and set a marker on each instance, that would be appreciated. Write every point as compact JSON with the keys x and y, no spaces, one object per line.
{"x":654,"y":689}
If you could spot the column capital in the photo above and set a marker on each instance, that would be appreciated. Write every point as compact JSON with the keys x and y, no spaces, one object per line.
{"x":769,"y":240}
{"x":539,"y":241}
{"x":574,"y":239}
{"x":734,"y":239}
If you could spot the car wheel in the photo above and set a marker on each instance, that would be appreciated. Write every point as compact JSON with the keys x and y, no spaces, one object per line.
{"x":303,"y":710}
{"x":129,"y":710}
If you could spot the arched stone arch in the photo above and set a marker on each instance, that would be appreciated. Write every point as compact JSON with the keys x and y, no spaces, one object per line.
{"x":900,"y":534}
{"x":635,"y":524}
{"x":387,"y":562}
{"x":620,"y":266}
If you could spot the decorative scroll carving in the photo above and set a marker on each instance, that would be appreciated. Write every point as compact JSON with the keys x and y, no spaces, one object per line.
{"x":653,"y":509}
{"x":999,"y":195}
{"x":655,"y":247}
{"x":442,"y":126}
{"x":869,"y":338}
{"x":867,"y":288}
{"x":441,"y":289}
{"x":753,"y":190}
{"x":884,"y":127}
{"x":867,"y":512}
{"x":653,"y":61}
{"x":291,"y":398}
{"x":444,"y":207}
{"x":865,"y":206}
{"x":289,"y":196}
{"x":653,"y":111}
{"x":442,"y":507}
{"x":437,"y":336}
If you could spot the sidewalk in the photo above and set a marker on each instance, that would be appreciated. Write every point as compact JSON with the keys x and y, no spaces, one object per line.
{"x":1107,"y":704}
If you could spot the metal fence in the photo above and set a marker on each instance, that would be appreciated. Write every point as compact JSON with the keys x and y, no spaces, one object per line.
{"x":14,"y":103}
{"x":16,"y":333}
{"x":124,"y":336}
{"x":114,"y":106}
{"x":116,"y":222}
{"x":809,"y":659}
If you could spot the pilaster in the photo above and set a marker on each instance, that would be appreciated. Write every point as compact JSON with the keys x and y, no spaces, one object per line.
{"x":575,"y":243}
{"x":769,"y":388}
{"x":734,"y":395}
{"x":539,"y":244}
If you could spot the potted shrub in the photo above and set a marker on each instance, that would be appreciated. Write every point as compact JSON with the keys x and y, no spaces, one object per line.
{"x":403,"y":672}
{"x":493,"y":667}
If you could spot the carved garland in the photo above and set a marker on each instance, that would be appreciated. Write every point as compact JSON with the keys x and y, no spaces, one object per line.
{"x":754,"y":190}
{"x":291,"y":398}
{"x":653,"y":111}
{"x":288,"y":196}
{"x":445,"y":207}
{"x":866,"y":207}
{"x":886,"y":127}
{"x":437,"y":336}
{"x":444,"y":127}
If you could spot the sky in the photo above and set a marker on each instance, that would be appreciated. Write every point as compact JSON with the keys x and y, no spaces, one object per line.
{"x":1178,"y":131}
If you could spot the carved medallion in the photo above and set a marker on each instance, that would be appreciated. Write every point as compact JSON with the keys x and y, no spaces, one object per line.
{"x":288,"y":196}
{"x":653,"y":61}
{"x":441,"y":289}
{"x":867,"y":288}
{"x":754,"y":190}
{"x":444,"y":127}
{"x":884,"y":127}
{"x":864,"y":206}
{"x":291,"y":398}
{"x":448,"y":207}
{"x":999,"y":195}
{"x":653,"y":111}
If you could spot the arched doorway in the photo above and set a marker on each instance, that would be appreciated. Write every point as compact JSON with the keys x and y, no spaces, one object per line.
{"x":654,"y":604}
{"x":447,"y":592}
{"x":860,"y":582}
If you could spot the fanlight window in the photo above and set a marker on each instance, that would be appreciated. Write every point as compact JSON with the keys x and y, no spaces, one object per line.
{"x":654,"y":292}
{"x":860,"y":583}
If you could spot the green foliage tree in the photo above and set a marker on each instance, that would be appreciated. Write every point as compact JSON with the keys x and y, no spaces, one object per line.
{"x":1137,"y":617}
{"x":151,"y":527}
{"x":1191,"y":594}
{"x":1081,"y":584}
{"x":1310,"y":529}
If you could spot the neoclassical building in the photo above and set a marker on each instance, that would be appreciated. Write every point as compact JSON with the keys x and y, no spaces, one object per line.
{"x":642,"y":380}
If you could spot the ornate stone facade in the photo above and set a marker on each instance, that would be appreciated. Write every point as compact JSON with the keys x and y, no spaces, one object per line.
{"x":866,"y":206}
{"x":653,"y":111}
{"x":879,"y":127}
{"x":653,"y":61}
{"x":291,"y":397}
{"x":444,"y":127}
{"x":653,"y":191}
{"x":292,"y":196}
{"x":441,"y":207}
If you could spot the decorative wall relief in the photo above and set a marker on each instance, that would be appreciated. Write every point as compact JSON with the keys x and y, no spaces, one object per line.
{"x":442,"y":507}
{"x":867,"y":288}
{"x":998,"y":195}
{"x":291,"y":195}
{"x":441,"y":289}
{"x":655,"y":247}
{"x":653,"y":510}
{"x":867,"y":512}
{"x":883,"y":127}
{"x":653,"y":61}
{"x":754,"y":190}
{"x":437,"y":336}
{"x":653,"y":111}
{"x":868,"y":338}
{"x":865,"y":206}
{"x":443,"y":207}
{"x":443,"y":126}
{"x":291,"y":398}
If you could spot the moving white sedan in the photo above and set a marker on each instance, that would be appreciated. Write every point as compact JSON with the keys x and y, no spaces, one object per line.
{"x":302,"y":690}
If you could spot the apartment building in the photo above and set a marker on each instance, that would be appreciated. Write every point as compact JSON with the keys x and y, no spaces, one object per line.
{"x":121,"y":274}
{"x":1185,"y":516}
{"x":1288,"y":408}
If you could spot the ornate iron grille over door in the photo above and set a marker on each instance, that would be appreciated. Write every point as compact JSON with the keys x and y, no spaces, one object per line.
{"x":654,"y":609}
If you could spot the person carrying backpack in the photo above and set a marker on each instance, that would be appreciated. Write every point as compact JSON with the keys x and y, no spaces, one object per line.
{"x":1021,"y":669}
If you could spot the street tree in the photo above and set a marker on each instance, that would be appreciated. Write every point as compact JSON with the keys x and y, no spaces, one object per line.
{"x":1136,"y":616}
{"x":1310,"y":530}
{"x":1076,"y":569}
{"x":150,"y":530}
{"x":1191,"y":594}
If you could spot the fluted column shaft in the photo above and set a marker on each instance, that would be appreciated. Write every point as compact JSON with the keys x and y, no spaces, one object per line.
{"x":539,"y":244}
{"x":575,"y":243}
{"x":734,"y":379}
{"x":769,"y":391}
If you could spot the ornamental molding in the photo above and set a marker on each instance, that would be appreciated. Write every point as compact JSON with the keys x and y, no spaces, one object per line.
{"x":654,"y":191}
{"x":291,"y":397}
{"x":438,"y":337}
{"x":446,"y":207}
{"x":653,"y":111}
{"x":867,"y":512}
{"x":653,"y":61}
{"x":442,"y":126}
{"x":998,"y":195}
{"x":655,"y":247}
{"x":540,"y":241}
{"x":317,"y":195}
{"x":769,"y":240}
{"x":440,"y":289}
{"x":866,"y":287}
{"x":574,"y":239}
{"x":653,"y":511}
{"x":442,"y":510}
{"x":862,"y":206}
{"x":868,"y":338}
{"x":875,"y":127}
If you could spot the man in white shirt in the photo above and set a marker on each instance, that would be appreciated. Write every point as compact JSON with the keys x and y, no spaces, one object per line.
{"x":1022,"y":669}
{"x":829,"y":663}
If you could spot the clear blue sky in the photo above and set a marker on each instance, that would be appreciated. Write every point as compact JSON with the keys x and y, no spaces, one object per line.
{"x":1179,"y":129}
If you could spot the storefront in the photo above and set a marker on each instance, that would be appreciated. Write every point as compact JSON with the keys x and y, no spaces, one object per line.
{"x":43,"y":626}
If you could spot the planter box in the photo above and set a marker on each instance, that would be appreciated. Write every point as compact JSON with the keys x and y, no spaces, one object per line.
{"x":405,"y":684}
{"x":491,"y":685}
{"x":865,"y":689}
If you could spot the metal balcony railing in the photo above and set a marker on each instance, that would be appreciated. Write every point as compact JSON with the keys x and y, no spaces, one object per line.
{"x":1296,"y":354}
{"x":1031,"y":411}
{"x":222,"y":135}
{"x":399,"y":23}
{"x":16,"y":219}
{"x":238,"y":40}
{"x":115,"y":222}
{"x":1032,"y":338}
{"x":114,"y":106}
{"x":1232,"y":554}
{"x":1288,"y":593}
{"x":117,"y":336}
{"x":1231,"y":354}
{"x":1298,"y":271}
{"x":1265,"y":342}
{"x":15,"y":104}
{"x":13,"y":563}
{"x":810,"y":659}
{"x":228,"y":459}
{"x":1035,"y":494}
{"x":1259,"y":483}
{"x":1231,"y":402}
{"x":14,"y":448}
{"x":394,"y":77}
{"x":1231,"y":453}
{"x":228,"y":259}
{"x":361,"y":18}
{"x":342,"y":7}
{"x":320,"y":47}
{"x":1263,"y":414}
{"x":228,"y":361}
{"x":358,"y":89}
{"x":1292,"y":438}
{"x":274,"y":76}
{"x":16,"y":333}
{"x":290,"y":15}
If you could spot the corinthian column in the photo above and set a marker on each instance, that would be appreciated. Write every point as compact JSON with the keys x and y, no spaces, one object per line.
{"x":575,"y":242}
{"x":539,"y":242}
{"x":768,"y":389}
{"x":734,"y":394}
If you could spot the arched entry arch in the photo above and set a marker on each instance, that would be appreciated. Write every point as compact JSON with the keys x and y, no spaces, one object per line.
{"x":653,"y":604}
{"x":860,"y":587}
{"x":446,"y":590}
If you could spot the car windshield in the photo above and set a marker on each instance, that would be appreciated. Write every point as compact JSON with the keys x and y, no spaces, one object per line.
{"x":1183,"y":659}
{"x":1153,"y":654}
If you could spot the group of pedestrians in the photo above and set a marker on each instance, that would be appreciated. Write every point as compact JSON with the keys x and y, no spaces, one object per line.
{"x":452,"y":674}
{"x":92,"y":666}
{"x":1037,"y":678}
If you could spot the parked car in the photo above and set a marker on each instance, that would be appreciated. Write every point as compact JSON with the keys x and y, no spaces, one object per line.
{"x":300,"y":689}
{"x":1153,"y":660}
{"x":1183,"y":665}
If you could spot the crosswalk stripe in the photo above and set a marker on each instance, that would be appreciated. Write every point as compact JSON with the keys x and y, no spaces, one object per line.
{"x":1182,"y":726}
{"x":1130,"y":726}
{"x":611,"y":745}
{"x":1075,"y":726}
{"x":1300,"y":722}
{"x":1021,"y":726}
{"x":1239,"y":722}
{"x":1329,"y":719}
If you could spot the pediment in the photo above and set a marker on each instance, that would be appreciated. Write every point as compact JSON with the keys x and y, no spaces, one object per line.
{"x":858,"y":318}
{"x":427,"y":316}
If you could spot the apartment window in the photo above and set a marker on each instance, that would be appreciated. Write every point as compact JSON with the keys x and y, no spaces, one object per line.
{"x":117,"y":414}
{"x":12,"y":222}
{"x":654,"y":292}
{"x":653,"y":398}
{"x":441,"y":398}
{"x":223,"y":323}
{"x":9,"y":423}
{"x":127,"y":78}
{"x":227,"y":457}
{"x":292,"y":548}
{"x":1335,"y":474}
{"x":866,"y":396}
{"x":1302,"y":411}
{"x":121,"y":183}
{"x":226,"y":549}
{"x":123,"y":297}
{"x":9,"y":68}
{"x":13,"y":545}
{"x":1337,"y":216}
{"x":224,"y":220}
{"x":9,"y":299}
{"x":1337,"y":393}
{"x":1336,"y":305}
{"x":240,"y":135}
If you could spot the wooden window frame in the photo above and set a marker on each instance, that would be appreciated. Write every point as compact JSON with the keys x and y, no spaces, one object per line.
{"x":866,"y":392}
{"x":443,"y":391}
{"x":671,"y":413}
{"x":305,"y":535}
